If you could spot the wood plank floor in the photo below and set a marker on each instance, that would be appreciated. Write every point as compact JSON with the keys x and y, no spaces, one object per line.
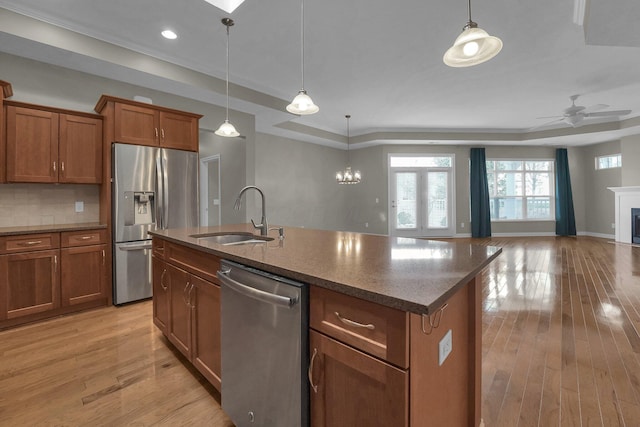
{"x":560,"y":348}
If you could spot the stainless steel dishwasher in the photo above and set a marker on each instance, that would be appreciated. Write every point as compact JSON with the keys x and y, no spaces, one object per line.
{"x":264,"y":348}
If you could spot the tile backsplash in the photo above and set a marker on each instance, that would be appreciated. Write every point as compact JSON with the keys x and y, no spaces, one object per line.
{"x":46,"y":204}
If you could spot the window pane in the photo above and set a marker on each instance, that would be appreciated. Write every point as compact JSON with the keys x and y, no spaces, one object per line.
{"x":506,"y":208}
{"x":543,"y":165}
{"x":606,"y":162}
{"x":406,"y":211}
{"x":539,"y":207}
{"x":437,"y":199}
{"x":509,"y":184}
{"x":537,"y":184}
{"x":412,"y":162}
{"x":509,"y":165}
{"x":491,"y":183}
{"x":490,"y":165}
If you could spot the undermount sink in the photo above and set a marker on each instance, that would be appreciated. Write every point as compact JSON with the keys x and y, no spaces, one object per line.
{"x":231,"y":238}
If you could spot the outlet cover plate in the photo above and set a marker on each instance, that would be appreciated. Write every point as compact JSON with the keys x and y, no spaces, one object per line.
{"x":445,"y":346}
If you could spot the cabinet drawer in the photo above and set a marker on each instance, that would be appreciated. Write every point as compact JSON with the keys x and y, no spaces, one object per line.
{"x":83,"y":238}
{"x":375,"y":329}
{"x":29,"y":242}
{"x":158,"y":247}
{"x":196,"y":262}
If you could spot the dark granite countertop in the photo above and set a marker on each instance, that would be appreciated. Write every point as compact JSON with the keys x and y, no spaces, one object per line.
{"x":53,"y":228}
{"x":413,"y":275}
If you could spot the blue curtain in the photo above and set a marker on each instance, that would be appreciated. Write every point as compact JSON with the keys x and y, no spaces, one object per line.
{"x":565,"y":217}
{"x":479,"y":189}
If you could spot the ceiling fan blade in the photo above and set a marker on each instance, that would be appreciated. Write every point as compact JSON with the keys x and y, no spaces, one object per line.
{"x":558,"y":120}
{"x":608,"y":113}
{"x":550,"y":117}
{"x":593,"y":108}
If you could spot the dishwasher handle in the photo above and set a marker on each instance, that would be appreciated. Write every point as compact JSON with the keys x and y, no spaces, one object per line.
{"x":255,"y":293}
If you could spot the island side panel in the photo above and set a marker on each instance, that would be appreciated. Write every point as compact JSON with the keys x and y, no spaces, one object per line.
{"x":447,"y":394}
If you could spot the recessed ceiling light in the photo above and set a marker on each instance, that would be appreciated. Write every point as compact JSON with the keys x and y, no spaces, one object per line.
{"x":168,"y":34}
{"x":226,"y":5}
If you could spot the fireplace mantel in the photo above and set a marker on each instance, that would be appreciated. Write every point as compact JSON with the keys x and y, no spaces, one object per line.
{"x":626,"y":199}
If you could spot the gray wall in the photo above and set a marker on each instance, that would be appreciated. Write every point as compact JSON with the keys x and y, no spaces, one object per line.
{"x":600,"y":200}
{"x":630,"y":149}
{"x":299,"y":181}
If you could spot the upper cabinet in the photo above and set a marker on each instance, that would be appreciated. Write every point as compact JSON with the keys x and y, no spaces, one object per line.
{"x":6,"y":91}
{"x":51,"y":145}
{"x":132,"y":122}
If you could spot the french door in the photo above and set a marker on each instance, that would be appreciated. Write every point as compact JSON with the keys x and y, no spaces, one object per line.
{"x":421,"y":202}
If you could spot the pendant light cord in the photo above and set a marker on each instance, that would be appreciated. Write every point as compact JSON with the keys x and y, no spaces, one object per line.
{"x":348,"y":137}
{"x":302,"y":38}
{"x":470,"y":11}
{"x":227,"y":72}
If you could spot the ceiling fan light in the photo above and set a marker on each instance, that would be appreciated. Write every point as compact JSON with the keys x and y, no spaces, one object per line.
{"x":472,"y":47}
{"x":227,"y":130}
{"x":302,"y":104}
{"x":574,"y":120}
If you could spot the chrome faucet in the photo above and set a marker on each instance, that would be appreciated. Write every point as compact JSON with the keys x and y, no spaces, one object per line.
{"x":263,"y":226}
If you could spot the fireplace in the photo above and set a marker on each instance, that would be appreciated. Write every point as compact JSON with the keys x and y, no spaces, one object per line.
{"x":635,"y":225}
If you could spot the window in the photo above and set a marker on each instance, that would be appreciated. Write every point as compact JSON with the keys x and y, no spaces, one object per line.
{"x":608,"y":162}
{"x":521,"y":189}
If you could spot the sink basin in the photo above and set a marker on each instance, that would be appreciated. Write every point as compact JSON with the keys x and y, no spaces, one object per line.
{"x":231,"y":238}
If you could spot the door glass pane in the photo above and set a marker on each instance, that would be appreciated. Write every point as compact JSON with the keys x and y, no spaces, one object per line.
{"x":437,"y":206}
{"x":406,"y":205}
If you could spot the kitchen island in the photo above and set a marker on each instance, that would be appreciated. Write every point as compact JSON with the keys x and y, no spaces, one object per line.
{"x":395,"y":323}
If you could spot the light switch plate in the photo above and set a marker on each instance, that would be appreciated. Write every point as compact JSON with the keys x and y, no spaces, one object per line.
{"x":445,"y":346}
{"x":79,"y":207}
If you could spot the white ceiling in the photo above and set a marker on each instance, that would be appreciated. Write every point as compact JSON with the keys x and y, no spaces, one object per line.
{"x":377,"y":60}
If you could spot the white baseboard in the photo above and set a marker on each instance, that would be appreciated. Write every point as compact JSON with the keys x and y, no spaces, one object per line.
{"x":600,"y":235}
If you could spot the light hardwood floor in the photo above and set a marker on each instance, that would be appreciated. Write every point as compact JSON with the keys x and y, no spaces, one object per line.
{"x":560,"y":347}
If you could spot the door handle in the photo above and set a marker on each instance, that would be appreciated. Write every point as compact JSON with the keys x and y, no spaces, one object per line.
{"x":310,"y":371}
{"x":256,"y":293}
{"x":136,"y":247}
{"x":162,"y":285}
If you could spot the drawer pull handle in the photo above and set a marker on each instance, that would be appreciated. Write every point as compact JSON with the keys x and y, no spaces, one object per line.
{"x":86,"y":238}
{"x":310,"y":372}
{"x":354,"y":324}
{"x":434,"y":320}
{"x":31,"y":243}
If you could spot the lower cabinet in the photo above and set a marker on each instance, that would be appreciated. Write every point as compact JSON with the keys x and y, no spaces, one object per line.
{"x":351,"y":388}
{"x":48,"y":274}
{"x":84,"y":274}
{"x":29,"y":283}
{"x":186,"y":307}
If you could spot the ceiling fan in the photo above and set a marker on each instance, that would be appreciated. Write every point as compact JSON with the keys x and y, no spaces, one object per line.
{"x":575,"y":114}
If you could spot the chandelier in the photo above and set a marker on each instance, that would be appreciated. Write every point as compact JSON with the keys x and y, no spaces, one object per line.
{"x":347,"y":176}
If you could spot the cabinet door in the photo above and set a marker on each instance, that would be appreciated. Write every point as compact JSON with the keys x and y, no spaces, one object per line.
{"x":353,"y":388}
{"x":80,"y":149}
{"x":28,"y":283}
{"x":161,"y":294}
{"x":32,"y":145}
{"x":180,"y":320}
{"x":136,"y":125}
{"x":205,"y":301}
{"x":83,"y":272}
{"x":178,"y":131}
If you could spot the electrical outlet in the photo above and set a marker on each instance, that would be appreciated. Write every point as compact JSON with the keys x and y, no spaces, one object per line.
{"x":366,"y":225}
{"x":444,"y":347}
{"x":462,"y":225}
{"x":79,"y":207}
{"x":613,"y":225}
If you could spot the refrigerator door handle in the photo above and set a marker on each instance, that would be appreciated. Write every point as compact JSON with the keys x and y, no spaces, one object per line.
{"x":165,"y":189}
{"x":159,"y":192}
{"x":135,"y":247}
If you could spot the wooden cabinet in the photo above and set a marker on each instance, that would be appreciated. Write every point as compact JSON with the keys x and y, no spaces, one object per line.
{"x":186,"y":304}
{"x":355,"y":382}
{"x":144,"y":124}
{"x":6,"y":91}
{"x":47,"y":274}
{"x":84,"y":267}
{"x":46,"y":145}
{"x":29,"y":283}
{"x":353,"y":388}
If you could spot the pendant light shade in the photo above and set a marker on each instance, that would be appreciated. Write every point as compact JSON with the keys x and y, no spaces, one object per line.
{"x":302,"y":104}
{"x":474,"y":46}
{"x":226,"y":129}
{"x":348,"y":176}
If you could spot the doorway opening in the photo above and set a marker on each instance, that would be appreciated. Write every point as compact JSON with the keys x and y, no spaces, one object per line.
{"x":210,"y":202}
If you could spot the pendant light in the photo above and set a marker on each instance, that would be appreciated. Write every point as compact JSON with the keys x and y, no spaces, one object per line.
{"x":348,"y":177}
{"x":226,"y":129}
{"x":302,"y":103}
{"x":474,"y":46}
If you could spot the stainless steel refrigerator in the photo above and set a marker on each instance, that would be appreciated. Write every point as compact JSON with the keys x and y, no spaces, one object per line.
{"x":152,"y":188}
